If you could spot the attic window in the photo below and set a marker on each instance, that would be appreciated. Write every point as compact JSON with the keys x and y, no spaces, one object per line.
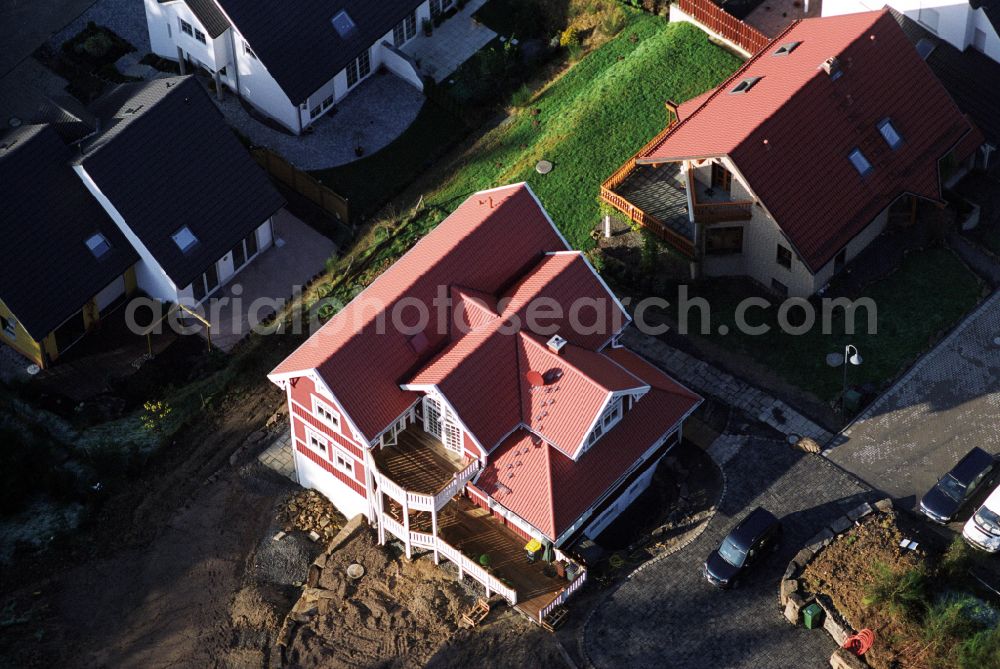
{"x":343,"y":23}
{"x":889,"y":134}
{"x":786,"y":49}
{"x":98,"y":245}
{"x":745,"y":85}
{"x":184,"y":239}
{"x":859,"y":161}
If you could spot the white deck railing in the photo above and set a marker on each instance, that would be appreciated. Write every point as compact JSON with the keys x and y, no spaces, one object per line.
{"x":456,"y":484}
{"x":467,"y":565}
{"x":564,"y":594}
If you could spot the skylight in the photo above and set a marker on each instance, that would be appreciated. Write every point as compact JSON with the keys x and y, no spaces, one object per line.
{"x":890,"y":134}
{"x":184,"y":239}
{"x":745,"y":85}
{"x":924,"y":47}
{"x":343,"y":23}
{"x":98,"y":245}
{"x":859,"y":161}
{"x":785,"y":49}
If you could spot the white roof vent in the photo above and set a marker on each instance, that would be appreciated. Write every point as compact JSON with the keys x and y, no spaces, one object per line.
{"x":556,"y":344}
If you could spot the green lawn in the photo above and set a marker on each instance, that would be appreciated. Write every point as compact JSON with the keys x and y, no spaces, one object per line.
{"x":592,"y":120}
{"x":928,"y":294}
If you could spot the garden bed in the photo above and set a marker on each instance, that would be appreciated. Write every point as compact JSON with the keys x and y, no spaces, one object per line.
{"x":922,"y":605}
{"x":87,"y":61}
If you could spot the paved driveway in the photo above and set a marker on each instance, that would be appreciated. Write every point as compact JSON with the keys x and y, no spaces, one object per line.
{"x":667,"y":615}
{"x":948,"y":403}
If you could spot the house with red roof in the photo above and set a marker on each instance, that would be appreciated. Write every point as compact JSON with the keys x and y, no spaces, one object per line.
{"x":474,"y":402}
{"x":802,"y":158}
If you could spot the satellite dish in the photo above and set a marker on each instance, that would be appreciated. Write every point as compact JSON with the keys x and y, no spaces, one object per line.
{"x":535,"y":379}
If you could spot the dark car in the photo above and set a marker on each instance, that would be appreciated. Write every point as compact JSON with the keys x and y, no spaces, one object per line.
{"x":945,"y":499}
{"x":758,"y":532}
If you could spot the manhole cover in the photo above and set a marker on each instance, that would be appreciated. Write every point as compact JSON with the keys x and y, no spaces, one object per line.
{"x":33,"y":370}
{"x":543,"y":167}
{"x":355,"y":571}
{"x":835,"y":359}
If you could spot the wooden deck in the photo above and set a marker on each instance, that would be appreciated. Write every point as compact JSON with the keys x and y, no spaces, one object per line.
{"x":658,"y":192}
{"x":474,"y":531}
{"x":419,"y":462}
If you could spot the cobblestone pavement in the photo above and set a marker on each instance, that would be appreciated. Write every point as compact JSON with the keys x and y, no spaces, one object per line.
{"x":706,"y":379}
{"x":946,"y":404}
{"x":667,"y":615}
{"x":278,"y":456}
{"x":372,"y":116}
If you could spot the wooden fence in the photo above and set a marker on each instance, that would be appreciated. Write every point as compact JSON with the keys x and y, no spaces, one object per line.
{"x":725,"y":25}
{"x":322,"y":196}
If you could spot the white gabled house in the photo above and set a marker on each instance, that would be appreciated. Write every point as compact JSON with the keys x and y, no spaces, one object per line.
{"x":964,"y":24}
{"x":295,"y":60}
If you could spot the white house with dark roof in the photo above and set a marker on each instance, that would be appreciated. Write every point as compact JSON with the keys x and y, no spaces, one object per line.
{"x":964,"y":24}
{"x":295,"y":60}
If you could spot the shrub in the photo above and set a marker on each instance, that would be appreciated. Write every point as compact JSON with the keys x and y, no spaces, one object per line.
{"x":897,"y":592}
{"x":613,"y":22}
{"x":96,"y":46}
{"x":569,"y":37}
{"x":522,"y":96}
{"x":981,"y":650}
{"x":154,"y":415}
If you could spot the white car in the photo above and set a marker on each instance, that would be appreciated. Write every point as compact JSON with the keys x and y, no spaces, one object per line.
{"x":983,"y":529}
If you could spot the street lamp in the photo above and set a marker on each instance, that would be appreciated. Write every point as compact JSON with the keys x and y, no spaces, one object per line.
{"x":854,"y":359}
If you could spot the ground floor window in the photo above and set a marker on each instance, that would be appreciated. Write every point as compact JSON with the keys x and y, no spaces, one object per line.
{"x":405,"y":30}
{"x":359,"y":68}
{"x":342,"y":462}
{"x":439,"y":7}
{"x":206,"y":283}
{"x":723,"y":241}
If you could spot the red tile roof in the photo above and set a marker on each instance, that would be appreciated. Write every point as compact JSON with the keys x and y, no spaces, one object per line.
{"x":551,"y":491}
{"x":789,"y":136}
{"x":491,"y":238}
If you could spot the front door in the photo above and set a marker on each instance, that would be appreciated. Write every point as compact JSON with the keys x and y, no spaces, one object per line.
{"x":226,"y":267}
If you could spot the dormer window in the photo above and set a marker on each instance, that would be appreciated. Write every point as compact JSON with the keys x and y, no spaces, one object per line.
{"x":859,"y":161}
{"x":890,"y":134}
{"x":184,"y":239}
{"x":786,"y":48}
{"x":343,"y":23}
{"x":745,"y":85}
{"x":98,"y":245}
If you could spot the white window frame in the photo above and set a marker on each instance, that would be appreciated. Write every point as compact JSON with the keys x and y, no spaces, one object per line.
{"x":186,"y":28}
{"x":341,"y":460}
{"x":354,"y":68}
{"x":890,"y":134}
{"x":317,"y":442}
{"x":97,"y":241}
{"x":331,"y":420}
{"x":200,"y":36}
{"x":248,"y":51}
{"x":860,"y":162}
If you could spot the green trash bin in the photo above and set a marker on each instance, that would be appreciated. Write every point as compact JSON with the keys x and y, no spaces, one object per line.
{"x":812,"y":616}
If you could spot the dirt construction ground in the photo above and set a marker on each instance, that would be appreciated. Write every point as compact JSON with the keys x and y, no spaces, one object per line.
{"x":181,"y":570}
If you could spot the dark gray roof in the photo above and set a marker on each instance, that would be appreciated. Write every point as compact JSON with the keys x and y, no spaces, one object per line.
{"x":297,"y":43}
{"x":47,"y":273}
{"x":208,"y":14}
{"x":165,"y":158}
{"x":969,"y":77}
{"x":992,"y":10}
{"x":67,"y":115}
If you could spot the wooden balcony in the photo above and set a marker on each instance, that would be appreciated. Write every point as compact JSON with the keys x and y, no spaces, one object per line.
{"x":418,"y":462}
{"x":720,"y":212}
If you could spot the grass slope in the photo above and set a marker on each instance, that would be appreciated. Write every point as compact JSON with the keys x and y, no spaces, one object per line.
{"x":592,"y":120}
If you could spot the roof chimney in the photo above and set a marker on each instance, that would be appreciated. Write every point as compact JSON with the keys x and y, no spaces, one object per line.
{"x":556,"y":344}
{"x":832,"y":67}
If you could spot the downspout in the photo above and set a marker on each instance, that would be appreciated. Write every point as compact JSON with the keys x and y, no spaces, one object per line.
{"x":236,"y":64}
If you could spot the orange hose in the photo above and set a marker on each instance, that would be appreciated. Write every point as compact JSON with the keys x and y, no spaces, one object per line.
{"x":860,"y":642}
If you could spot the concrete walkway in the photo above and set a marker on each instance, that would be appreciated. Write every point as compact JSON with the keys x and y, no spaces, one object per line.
{"x":946,"y":404}
{"x":453,"y":42}
{"x":708,"y":380}
{"x":278,"y":456}
{"x":299,"y":252}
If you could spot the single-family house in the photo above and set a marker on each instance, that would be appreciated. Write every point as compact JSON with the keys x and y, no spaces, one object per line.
{"x":974,"y":24}
{"x":292,"y":61}
{"x":159,"y":196}
{"x":506,"y":421}
{"x":799,"y":160}
{"x":64,"y":263}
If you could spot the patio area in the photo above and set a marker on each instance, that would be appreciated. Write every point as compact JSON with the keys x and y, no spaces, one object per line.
{"x":658,"y":192}
{"x":418,"y":462}
{"x":473,"y":531}
{"x":298,"y":253}
{"x":452,"y":43}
